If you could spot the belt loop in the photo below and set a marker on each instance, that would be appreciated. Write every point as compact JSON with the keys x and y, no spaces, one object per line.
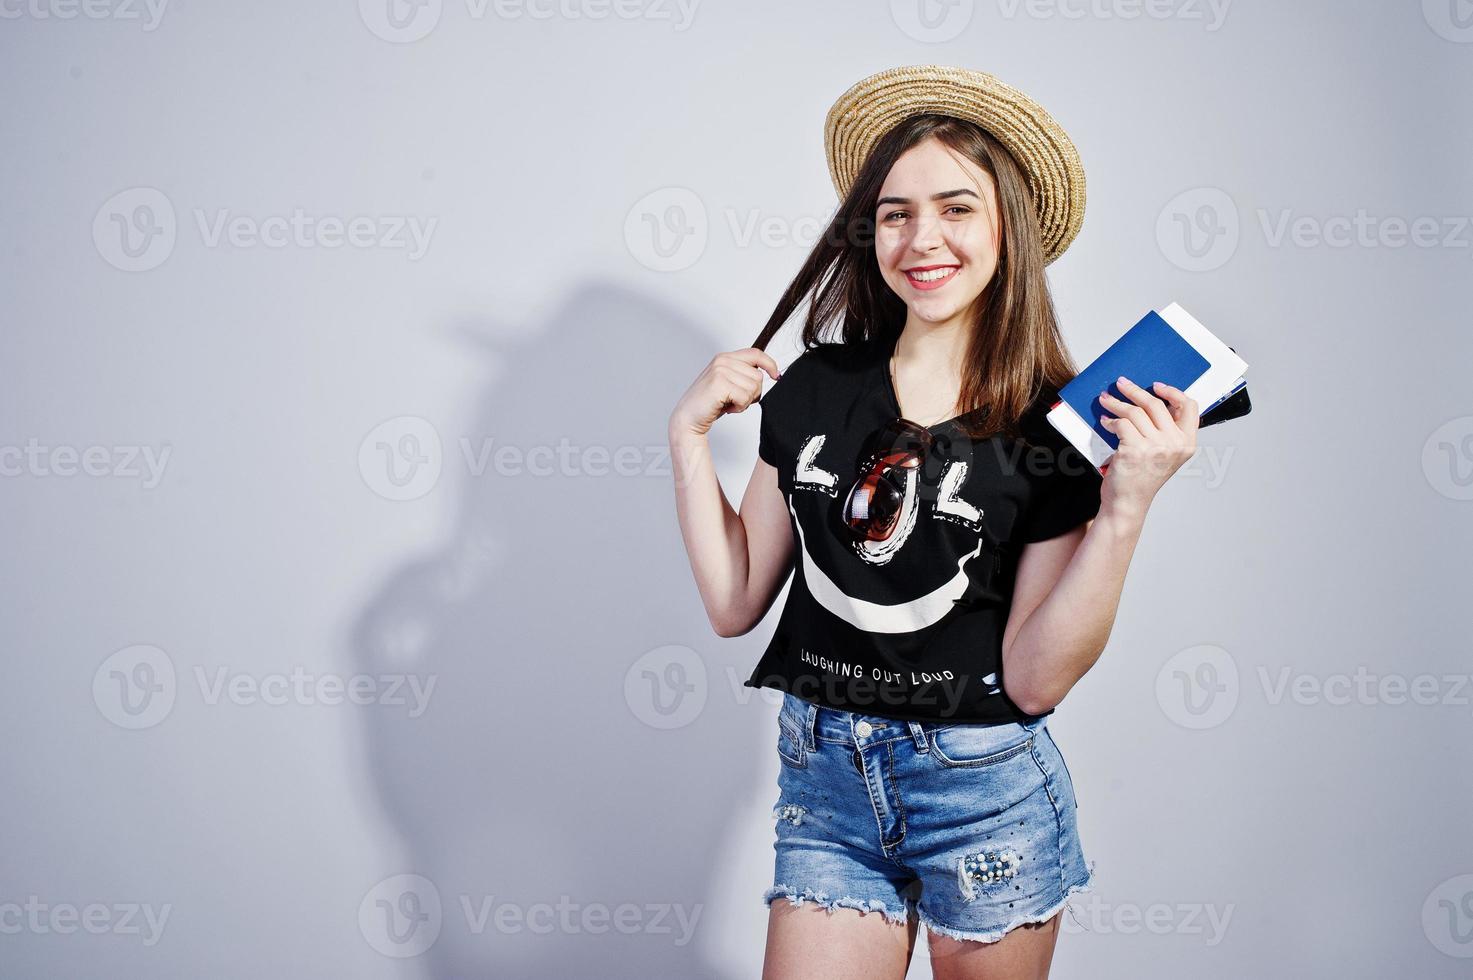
{"x":919,"y":734}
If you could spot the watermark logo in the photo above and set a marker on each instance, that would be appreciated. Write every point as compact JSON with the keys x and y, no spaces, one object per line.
{"x":149,"y":13}
{"x":400,"y":21}
{"x":1447,"y":458}
{"x":666,"y":687}
{"x":411,"y":691}
{"x":1212,"y":13}
{"x":135,"y":229}
{"x":1362,"y":687}
{"x":667,"y":229}
{"x":135,"y":687}
{"x":1204,"y":919}
{"x":407,"y":21}
{"x":40,"y":918}
{"x":143,"y":463}
{"x":401,"y":458}
{"x":1450,"y":19}
{"x":1363,"y":230}
{"x":932,"y":21}
{"x":1447,"y":917}
{"x":401,"y":915}
{"x":1198,"y":687}
{"x":1198,"y":230}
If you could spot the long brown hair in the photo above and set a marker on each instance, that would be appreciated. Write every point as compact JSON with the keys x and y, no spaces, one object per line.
{"x":1015,"y":347}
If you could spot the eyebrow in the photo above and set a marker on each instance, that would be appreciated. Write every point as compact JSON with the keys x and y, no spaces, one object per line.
{"x":935,"y":197}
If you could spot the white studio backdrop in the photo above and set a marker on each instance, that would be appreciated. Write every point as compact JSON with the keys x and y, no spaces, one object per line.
{"x":347,"y":626}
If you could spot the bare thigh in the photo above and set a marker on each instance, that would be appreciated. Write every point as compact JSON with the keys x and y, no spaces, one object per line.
{"x":808,"y":942}
{"x":1023,"y":954}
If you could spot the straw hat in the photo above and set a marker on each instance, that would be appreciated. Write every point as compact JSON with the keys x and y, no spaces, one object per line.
{"x":873,"y":105}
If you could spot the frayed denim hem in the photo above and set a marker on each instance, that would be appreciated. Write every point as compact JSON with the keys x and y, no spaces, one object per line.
{"x":899,"y":917}
{"x":992,"y":937}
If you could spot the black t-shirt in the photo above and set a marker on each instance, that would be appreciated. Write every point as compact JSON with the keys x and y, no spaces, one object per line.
{"x":910,"y":627}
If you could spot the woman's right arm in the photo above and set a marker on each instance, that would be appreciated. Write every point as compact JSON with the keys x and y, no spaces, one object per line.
{"x":740,"y":560}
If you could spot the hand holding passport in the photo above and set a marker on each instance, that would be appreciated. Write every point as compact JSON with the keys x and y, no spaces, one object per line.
{"x":1169,"y":346}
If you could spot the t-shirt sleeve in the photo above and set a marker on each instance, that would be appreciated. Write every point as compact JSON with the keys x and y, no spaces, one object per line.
{"x":766,"y":440}
{"x":1065,"y":487}
{"x":776,"y":408}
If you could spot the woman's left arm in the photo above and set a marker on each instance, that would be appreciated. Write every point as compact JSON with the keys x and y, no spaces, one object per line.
{"x":1067,"y":589}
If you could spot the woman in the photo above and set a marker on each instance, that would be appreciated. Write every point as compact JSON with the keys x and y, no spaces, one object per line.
{"x":957,"y":565}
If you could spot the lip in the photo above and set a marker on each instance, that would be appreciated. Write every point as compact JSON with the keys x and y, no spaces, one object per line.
{"x":927,"y":286}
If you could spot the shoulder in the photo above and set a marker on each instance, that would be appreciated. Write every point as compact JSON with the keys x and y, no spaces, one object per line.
{"x":834,"y":358}
{"x":1034,"y":424}
{"x":819,"y":368}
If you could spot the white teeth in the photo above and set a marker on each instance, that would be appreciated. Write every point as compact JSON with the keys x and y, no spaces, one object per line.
{"x":931,"y":275}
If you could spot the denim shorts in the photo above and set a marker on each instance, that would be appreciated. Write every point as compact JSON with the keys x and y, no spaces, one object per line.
{"x":971,"y":825}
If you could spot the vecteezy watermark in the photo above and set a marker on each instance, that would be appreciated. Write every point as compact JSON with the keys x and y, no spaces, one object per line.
{"x":668,"y":229}
{"x":1447,"y":458}
{"x":1158,"y":918}
{"x":137,"y":687}
{"x":1363,"y":687}
{"x":136,"y":230}
{"x":411,"y":691}
{"x":1450,"y":19}
{"x":1199,"y":687}
{"x":932,"y":21}
{"x":95,"y":918}
{"x":148,"y":13}
{"x":1447,"y":917}
{"x":1200,"y":229}
{"x":1210,"y":13}
{"x":407,"y":21}
{"x":402,"y":458}
{"x":666,"y":687}
{"x":403,"y":915}
{"x":143,"y":463}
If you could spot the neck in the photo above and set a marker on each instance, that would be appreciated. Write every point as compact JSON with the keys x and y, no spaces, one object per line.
{"x":926,"y":370}
{"x":932,"y":351}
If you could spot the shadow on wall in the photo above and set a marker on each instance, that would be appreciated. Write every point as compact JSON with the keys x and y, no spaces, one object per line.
{"x":558,"y":821}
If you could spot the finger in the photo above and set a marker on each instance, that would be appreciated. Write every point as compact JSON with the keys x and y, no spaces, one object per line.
{"x":1127,"y":410}
{"x":758,"y":358}
{"x":1124,"y":431}
{"x":1155,"y":407}
{"x":743,"y":378}
{"x":1183,"y":409}
{"x":738,"y":396}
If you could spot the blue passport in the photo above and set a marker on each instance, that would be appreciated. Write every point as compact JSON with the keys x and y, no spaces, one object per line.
{"x":1170,"y":346}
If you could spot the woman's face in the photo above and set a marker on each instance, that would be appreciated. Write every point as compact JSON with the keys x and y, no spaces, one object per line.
{"x":937,"y":216}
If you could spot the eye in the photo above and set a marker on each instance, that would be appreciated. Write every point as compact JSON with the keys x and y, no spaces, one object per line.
{"x":961,"y":208}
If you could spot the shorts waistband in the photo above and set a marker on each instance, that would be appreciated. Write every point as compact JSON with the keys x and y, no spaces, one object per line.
{"x":816,"y":722}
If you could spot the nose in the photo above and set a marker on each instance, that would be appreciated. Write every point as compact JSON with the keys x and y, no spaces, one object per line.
{"x":927,"y":234}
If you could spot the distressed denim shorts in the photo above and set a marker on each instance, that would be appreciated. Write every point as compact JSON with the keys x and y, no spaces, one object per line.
{"x":971,"y":825}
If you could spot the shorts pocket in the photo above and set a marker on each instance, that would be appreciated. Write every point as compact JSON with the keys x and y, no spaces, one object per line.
{"x":791,"y":747}
{"x":962,"y":746}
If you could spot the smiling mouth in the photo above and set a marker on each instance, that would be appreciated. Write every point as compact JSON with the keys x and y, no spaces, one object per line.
{"x":933,"y":277}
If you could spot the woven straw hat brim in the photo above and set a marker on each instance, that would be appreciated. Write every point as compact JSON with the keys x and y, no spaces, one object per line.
{"x":873,"y":105}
